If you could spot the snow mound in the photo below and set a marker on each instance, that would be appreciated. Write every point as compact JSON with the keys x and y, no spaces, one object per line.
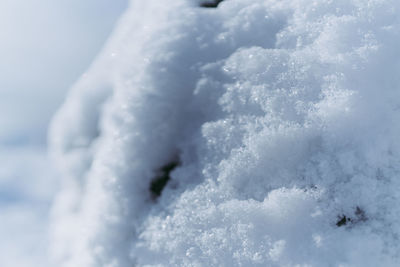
{"x":256,"y":133}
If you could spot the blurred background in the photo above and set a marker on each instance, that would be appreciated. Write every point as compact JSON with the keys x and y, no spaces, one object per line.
{"x":45,"y":46}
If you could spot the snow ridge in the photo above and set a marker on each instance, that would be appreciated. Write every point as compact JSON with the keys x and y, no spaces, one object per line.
{"x":283,"y":116}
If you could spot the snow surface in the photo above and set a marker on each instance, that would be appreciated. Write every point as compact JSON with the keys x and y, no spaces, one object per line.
{"x":284,"y":116}
{"x":27,"y":186}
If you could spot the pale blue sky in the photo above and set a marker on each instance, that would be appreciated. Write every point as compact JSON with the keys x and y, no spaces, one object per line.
{"x":45,"y":45}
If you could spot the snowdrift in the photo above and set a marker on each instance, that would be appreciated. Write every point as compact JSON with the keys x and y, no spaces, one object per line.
{"x":252,"y":133}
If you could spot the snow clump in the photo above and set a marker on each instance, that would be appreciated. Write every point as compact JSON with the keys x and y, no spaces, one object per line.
{"x":280,"y":124}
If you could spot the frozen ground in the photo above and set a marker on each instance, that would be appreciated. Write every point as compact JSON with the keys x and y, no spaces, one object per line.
{"x":276,"y":121}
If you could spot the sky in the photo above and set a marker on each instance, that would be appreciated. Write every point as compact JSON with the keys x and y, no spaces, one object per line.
{"x":45,"y":47}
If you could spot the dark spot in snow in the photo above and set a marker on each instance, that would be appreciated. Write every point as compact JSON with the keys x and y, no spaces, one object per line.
{"x":211,"y":4}
{"x":342,"y":220}
{"x":359,"y":216}
{"x":162,"y":177}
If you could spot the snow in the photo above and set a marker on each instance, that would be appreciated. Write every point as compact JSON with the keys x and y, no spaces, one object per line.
{"x":26,"y":190}
{"x":283,"y":116}
{"x":45,"y":46}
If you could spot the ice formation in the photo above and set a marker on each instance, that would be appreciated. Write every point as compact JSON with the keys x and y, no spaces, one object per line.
{"x":269,"y":126}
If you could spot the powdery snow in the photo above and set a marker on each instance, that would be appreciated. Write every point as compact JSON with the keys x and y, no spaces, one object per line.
{"x":284,"y":118}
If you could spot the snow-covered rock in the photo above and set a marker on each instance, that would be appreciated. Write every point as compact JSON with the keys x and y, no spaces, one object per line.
{"x":276,"y":123}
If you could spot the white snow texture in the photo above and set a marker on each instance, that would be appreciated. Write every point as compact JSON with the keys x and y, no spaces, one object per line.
{"x":284,"y":116}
